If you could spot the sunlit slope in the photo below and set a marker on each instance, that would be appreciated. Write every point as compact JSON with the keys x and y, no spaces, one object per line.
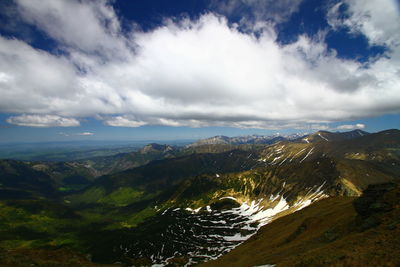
{"x":288,"y":169}
{"x":357,"y":162}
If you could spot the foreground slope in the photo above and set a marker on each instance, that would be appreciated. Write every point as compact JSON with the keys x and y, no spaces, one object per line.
{"x":337,"y":231}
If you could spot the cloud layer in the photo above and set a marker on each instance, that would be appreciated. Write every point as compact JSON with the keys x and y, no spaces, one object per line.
{"x":86,"y":133}
{"x":43,"y":121}
{"x":192,"y":73}
{"x":351,"y":126}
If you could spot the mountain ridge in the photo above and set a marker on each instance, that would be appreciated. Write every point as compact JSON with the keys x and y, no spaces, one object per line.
{"x":224,"y":192}
{"x":271,"y":139}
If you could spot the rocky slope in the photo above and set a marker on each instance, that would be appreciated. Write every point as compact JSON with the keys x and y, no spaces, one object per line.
{"x":261,"y":185}
{"x":199,"y":204}
{"x":337,"y":231}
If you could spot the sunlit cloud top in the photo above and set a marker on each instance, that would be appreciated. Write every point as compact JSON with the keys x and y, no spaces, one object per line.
{"x":197,"y":71}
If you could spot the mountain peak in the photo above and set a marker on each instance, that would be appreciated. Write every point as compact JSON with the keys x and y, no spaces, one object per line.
{"x":154,"y":147}
{"x":326,"y":136}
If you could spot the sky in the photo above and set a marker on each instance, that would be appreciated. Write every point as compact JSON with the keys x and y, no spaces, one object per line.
{"x":189,"y":69}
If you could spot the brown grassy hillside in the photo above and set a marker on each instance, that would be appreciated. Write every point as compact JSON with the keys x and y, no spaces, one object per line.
{"x":333,"y":232}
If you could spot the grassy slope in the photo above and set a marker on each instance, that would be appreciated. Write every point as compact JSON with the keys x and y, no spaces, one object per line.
{"x":45,"y":258}
{"x":328,"y":233}
{"x":128,"y":197}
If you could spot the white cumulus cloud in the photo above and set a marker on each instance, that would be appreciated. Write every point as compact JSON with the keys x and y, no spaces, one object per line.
{"x":196,"y":73}
{"x":89,"y":26}
{"x":378,"y":20}
{"x":43,"y":121}
{"x":123,"y":121}
{"x":351,"y":126}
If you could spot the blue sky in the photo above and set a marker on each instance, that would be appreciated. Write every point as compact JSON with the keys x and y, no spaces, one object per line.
{"x":185,"y":69}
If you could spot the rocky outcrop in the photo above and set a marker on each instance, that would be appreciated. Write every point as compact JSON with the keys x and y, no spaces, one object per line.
{"x":372,"y":204}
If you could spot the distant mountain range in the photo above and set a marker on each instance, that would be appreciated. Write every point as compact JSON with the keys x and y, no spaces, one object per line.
{"x":246,"y":139}
{"x":175,"y":205}
{"x":272,"y":139}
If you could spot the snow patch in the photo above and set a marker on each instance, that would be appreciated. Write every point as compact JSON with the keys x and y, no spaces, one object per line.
{"x":275,"y":159}
{"x":297,"y":154}
{"x":228,"y":198}
{"x":165,"y":211}
{"x":250,"y":217}
{"x":283,"y":161}
{"x":311,"y":197}
{"x":309,"y":153}
{"x":255,"y":213}
{"x":237,"y":237}
{"x":193,"y":210}
{"x":323,"y":137}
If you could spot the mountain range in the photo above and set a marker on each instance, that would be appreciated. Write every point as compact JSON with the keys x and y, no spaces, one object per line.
{"x":187,"y":205}
{"x":246,"y":139}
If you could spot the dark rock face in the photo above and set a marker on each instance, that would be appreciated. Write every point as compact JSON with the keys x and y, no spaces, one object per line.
{"x":371,"y":204}
{"x":225,"y":204}
{"x":372,"y":201}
